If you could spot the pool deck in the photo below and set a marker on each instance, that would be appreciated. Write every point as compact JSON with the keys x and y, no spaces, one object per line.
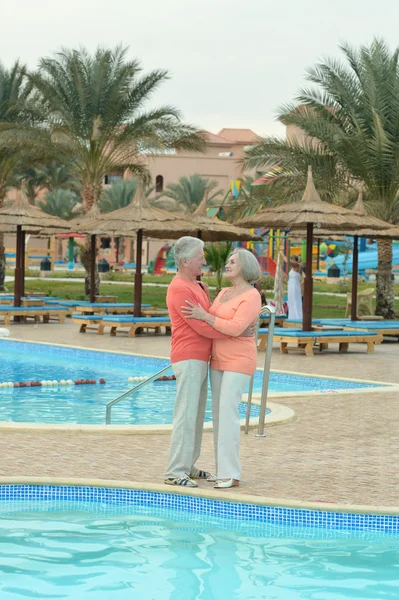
{"x":339,"y":448}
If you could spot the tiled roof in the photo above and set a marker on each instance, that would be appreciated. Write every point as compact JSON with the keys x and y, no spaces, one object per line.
{"x":211,"y":138}
{"x":240,"y":136}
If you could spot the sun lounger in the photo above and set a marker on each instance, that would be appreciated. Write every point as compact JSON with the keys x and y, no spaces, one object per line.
{"x":387,"y":328}
{"x":107,"y":308}
{"x":305,"y":340}
{"x":87,"y":322}
{"x":66,"y":303}
{"x":133,"y":324}
{"x":279,"y":320}
{"x":297,"y":323}
{"x":35,"y":312}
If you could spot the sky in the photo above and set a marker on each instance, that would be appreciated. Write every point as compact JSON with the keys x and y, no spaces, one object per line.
{"x":232,"y":63}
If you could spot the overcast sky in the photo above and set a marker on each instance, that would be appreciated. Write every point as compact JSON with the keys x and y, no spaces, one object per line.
{"x":232,"y":62}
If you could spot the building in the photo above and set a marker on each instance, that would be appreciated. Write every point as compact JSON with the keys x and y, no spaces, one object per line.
{"x":220,"y":161}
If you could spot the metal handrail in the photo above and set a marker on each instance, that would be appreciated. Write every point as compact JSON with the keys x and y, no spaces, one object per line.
{"x":266,"y":372}
{"x":131,"y":391}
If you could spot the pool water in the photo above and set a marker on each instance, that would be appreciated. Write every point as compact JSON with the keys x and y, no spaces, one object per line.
{"x":80,"y":550}
{"x":85,"y":404}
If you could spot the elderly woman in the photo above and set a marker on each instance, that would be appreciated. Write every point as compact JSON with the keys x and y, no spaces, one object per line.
{"x":233,"y":360}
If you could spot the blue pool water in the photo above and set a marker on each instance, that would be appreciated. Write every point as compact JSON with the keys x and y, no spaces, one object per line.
{"x":163,"y":547}
{"x":20,"y":361}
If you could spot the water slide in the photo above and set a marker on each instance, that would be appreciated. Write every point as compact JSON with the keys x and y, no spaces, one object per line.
{"x":367,"y":260}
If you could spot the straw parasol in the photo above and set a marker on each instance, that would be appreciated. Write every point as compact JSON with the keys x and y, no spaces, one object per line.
{"x":21,"y":218}
{"x":370,"y":227}
{"x":212,"y":229}
{"x":310,"y":211}
{"x":139,"y":219}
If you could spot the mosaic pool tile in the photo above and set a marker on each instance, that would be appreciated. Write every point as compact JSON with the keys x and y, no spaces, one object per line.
{"x":116,"y":500}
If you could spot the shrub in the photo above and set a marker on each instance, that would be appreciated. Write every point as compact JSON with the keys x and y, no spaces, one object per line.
{"x":344,"y":286}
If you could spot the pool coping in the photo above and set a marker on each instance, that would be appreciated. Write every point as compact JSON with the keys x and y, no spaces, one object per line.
{"x":279,"y":415}
{"x":221,"y":496}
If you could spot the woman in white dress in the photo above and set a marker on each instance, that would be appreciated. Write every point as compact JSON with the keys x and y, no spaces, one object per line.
{"x":294,"y":289}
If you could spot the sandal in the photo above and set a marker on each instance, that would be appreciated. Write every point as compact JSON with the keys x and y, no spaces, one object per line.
{"x":226,"y":483}
{"x":198,"y":474}
{"x":184,"y":481}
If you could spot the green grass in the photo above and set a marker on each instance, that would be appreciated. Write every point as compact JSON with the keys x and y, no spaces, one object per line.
{"x":323,"y":306}
{"x":75,"y":291}
{"x":165,"y":279}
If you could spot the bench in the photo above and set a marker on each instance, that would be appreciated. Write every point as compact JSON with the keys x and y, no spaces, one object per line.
{"x":305,"y":340}
{"x":133,"y":324}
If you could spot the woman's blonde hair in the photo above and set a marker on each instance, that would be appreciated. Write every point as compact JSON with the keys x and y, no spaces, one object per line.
{"x":249,"y":266}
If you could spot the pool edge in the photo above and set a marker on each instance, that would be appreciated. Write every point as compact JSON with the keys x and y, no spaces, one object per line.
{"x":224,"y":496}
{"x":279,"y":415}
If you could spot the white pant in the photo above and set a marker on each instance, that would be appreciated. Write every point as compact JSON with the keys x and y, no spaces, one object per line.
{"x":227,"y":390}
{"x":188,"y":419}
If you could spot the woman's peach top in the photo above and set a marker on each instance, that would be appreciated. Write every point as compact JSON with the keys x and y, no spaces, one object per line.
{"x":233,"y":316}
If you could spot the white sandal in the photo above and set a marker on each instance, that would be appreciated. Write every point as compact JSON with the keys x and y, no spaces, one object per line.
{"x":227,"y":483}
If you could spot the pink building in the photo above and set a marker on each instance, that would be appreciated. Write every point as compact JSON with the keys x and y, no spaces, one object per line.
{"x":218,"y":162}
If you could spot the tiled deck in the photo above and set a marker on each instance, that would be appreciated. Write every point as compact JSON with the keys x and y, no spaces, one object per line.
{"x":340,"y":448}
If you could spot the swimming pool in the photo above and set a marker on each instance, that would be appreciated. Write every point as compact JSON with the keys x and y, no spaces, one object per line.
{"x":22,"y":361}
{"x":101,"y":543}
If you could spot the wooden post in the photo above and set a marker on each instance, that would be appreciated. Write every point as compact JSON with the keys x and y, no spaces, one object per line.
{"x":92,"y":267}
{"x":355,"y":268}
{"x":52,"y":250}
{"x":17,"y":272}
{"x":138,"y":278}
{"x":22,"y":273}
{"x":308,"y":291}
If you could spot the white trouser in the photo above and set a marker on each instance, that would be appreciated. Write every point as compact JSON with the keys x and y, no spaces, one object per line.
{"x":188,"y":419}
{"x":227,"y":390}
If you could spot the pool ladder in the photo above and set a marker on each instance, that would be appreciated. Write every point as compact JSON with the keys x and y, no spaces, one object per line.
{"x":265,"y":384}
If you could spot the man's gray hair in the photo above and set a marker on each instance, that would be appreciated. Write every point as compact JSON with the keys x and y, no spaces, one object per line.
{"x":250,"y":269}
{"x":186,"y":247}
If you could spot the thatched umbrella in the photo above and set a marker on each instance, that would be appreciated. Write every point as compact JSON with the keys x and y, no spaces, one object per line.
{"x":21,"y":218}
{"x":212,"y":229}
{"x":309,"y":211}
{"x":373,"y":227}
{"x":139,"y":219}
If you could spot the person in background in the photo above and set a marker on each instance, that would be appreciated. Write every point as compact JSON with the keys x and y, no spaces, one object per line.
{"x":233,"y":360}
{"x":295,"y":289}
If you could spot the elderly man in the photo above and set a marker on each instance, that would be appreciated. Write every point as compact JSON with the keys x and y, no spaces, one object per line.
{"x":190,"y":353}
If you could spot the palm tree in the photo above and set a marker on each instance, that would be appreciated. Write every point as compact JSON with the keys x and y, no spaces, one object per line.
{"x":119,"y":194}
{"x":60,"y":203}
{"x":51,"y":176}
{"x":189,"y":191}
{"x":351,"y":120}
{"x":95,"y":107}
{"x":216,"y":257}
{"x":19,"y":149}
